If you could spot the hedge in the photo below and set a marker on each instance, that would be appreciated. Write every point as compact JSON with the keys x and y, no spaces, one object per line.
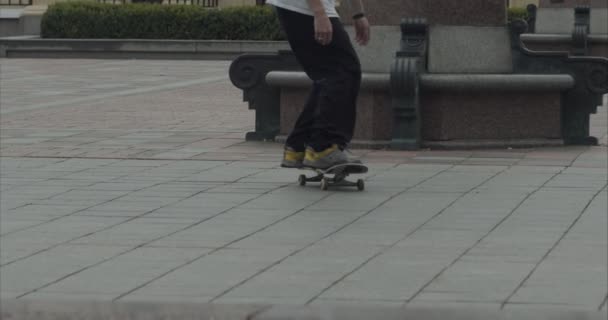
{"x":92,"y":20}
{"x":518,"y":13}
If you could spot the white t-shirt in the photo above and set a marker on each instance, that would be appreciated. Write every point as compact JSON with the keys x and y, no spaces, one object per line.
{"x":301,"y":6}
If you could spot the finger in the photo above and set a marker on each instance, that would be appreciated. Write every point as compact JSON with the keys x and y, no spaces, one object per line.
{"x":324,"y":38}
{"x":319,"y":37}
{"x":360,"y":37}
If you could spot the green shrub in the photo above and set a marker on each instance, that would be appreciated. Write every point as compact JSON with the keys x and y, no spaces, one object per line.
{"x":92,"y":20}
{"x":518,"y":13}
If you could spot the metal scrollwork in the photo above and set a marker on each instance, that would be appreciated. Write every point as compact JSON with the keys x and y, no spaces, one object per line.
{"x":580,"y":35}
{"x":597,"y":80}
{"x":405,"y":84}
{"x":244,"y":75}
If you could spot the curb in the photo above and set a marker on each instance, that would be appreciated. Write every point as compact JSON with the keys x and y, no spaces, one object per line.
{"x":36,"y":47}
{"x":47,"y":310}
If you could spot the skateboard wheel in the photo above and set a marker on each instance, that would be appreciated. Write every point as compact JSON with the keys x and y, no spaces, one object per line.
{"x":360,"y":185}
{"x":302,"y":180}
{"x":324,"y":184}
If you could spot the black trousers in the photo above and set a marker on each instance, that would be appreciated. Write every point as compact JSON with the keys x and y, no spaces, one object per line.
{"x":330,"y":111}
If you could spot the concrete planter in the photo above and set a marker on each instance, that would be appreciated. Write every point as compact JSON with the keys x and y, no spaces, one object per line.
{"x":35,"y":47}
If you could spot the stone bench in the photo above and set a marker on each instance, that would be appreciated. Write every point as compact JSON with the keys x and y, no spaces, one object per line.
{"x":371,"y":132}
{"x":448,"y":87}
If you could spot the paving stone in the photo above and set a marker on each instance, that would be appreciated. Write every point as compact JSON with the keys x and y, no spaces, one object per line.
{"x":115,"y":186}
{"x":279,"y":201}
{"x":132,"y":233}
{"x":215,"y":200}
{"x":70,"y":297}
{"x":35,"y":210}
{"x":148,"y":201}
{"x":125,"y":272}
{"x":223,"y":229}
{"x":69,"y":227}
{"x":175,"y":212}
{"x":15,"y":225}
{"x":298,"y":230}
{"x":117,"y":205}
{"x":50,"y":266}
{"x":213,"y":274}
{"x":221,"y":174}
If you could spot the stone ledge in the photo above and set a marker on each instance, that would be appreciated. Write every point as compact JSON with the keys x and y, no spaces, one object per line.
{"x":447,"y":82}
{"x":496,"y":82}
{"x":561,"y":38}
{"x":298,"y":79}
{"x":43,"y":310}
{"x":492,"y":144}
{"x":133,"y":48}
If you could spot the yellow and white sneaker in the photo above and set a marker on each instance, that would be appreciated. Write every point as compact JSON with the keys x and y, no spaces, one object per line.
{"x":327,"y":158}
{"x":292,"y":158}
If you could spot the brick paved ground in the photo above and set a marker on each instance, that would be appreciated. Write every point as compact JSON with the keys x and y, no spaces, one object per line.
{"x":130,"y":181}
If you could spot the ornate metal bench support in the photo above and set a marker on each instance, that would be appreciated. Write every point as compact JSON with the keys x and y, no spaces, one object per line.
{"x":404,"y":84}
{"x":591,"y":83}
{"x":532,"y":12}
{"x":248,"y":72}
{"x":580,"y":35}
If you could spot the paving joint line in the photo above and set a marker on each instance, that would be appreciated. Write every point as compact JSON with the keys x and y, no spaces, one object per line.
{"x":117,"y":94}
{"x":603,"y":304}
{"x":386,"y":248}
{"x":128,"y":220}
{"x":289,"y":255}
{"x":583,"y":211}
{"x":215,"y":249}
{"x":483,"y":237}
{"x":324,"y":237}
{"x":114,"y":256}
{"x":49,"y":198}
{"x":102,"y":203}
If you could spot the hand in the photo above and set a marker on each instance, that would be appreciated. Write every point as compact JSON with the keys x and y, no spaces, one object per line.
{"x":362,"y":29}
{"x":323,"y":29}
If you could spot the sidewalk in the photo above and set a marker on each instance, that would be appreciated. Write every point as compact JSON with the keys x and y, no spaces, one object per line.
{"x":130,"y":181}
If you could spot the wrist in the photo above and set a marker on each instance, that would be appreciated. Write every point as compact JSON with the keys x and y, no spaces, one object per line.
{"x":320,"y":14}
{"x":358,"y":16}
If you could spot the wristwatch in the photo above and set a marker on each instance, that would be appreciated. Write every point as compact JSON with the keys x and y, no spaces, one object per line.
{"x":359,"y":16}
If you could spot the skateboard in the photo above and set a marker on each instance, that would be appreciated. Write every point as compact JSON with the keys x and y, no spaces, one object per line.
{"x":339,"y":172}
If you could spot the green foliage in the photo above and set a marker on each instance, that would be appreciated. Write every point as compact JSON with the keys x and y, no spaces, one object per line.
{"x":92,"y":20}
{"x":518,"y":13}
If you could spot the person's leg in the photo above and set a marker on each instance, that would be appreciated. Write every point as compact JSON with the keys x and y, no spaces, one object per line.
{"x":300,"y":136}
{"x":334,"y":127}
{"x":328,"y":119}
{"x":295,"y":145}
{"x":339,"y":68}
{"x":299,"y":29}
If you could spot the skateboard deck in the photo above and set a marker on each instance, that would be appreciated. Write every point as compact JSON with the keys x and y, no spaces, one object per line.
{"x":339,"y":172}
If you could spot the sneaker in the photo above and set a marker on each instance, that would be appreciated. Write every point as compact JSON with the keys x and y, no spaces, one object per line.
{"x":292,"y":158}
{"x":327,"y":158}
{"x":351,"y":157}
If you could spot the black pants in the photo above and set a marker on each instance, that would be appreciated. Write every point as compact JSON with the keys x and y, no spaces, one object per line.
{"x":330,"y":112}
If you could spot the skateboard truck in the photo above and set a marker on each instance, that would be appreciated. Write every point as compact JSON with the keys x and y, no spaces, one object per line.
{"x":339,"y":172}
